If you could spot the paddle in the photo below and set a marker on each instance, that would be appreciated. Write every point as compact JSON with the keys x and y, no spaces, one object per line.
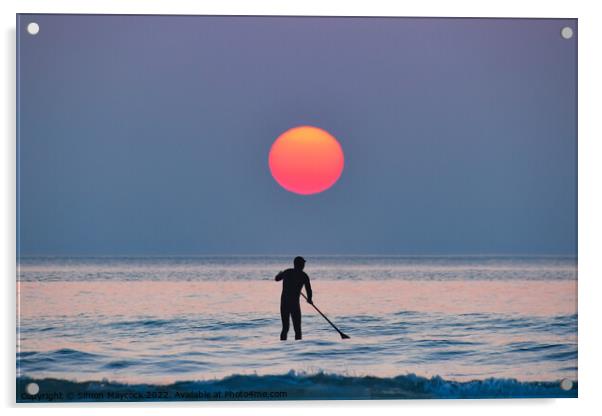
{"x":343,"y":336}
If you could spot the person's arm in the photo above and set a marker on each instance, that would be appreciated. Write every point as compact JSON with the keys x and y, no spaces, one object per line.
{"x":308,"y":290}
{"x":279,"y":276}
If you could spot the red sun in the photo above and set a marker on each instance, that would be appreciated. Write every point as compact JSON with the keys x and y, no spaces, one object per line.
{"x":306,"y":160}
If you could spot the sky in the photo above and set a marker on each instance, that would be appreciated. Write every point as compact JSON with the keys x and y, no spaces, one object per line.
{"x":149,"y":135}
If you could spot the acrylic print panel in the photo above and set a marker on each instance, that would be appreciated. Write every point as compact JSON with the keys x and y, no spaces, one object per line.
{"x":171,"y":169}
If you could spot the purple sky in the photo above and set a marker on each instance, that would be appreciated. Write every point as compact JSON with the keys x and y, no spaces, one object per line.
{"x":150,"y":134}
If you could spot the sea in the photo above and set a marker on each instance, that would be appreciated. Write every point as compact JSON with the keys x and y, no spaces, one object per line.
{"x":207,"y":328}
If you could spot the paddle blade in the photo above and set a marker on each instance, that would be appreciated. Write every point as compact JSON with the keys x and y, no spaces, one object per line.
{"x":343,"y":336}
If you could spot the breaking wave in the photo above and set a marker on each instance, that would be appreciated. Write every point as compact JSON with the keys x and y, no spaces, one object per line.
{"x":292,"y":386}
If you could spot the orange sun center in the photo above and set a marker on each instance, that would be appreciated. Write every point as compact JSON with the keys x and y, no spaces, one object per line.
{"x":306,"y":160}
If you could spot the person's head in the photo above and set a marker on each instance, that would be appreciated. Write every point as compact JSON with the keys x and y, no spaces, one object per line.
{"x":299,"y":263}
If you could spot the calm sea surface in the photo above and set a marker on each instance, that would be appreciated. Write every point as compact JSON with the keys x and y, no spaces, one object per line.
{"x":160,"y":320}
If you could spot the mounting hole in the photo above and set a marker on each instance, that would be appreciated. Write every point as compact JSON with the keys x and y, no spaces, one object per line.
{"x":566,"y":32}
{"x":33,"y":28}
{"x":566,"y":384}
{"x":32,"y":389}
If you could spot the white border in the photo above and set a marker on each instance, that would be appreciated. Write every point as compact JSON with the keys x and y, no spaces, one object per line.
{"x":590,"y":201}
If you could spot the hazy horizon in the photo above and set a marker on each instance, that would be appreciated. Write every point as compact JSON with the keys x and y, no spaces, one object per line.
{"x":292,"y":255}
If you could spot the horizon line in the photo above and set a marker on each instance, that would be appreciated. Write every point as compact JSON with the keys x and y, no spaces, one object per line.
{"x":142,"y":255}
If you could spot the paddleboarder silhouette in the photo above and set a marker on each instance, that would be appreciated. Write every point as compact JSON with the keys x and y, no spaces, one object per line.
{"x":293,"y":281}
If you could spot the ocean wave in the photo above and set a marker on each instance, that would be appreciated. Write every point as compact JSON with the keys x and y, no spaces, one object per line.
{"x":292,"y":386}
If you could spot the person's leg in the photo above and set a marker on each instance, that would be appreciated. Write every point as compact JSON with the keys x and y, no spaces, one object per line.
{"x":284,"y":315}
{"x":296,"y":315}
